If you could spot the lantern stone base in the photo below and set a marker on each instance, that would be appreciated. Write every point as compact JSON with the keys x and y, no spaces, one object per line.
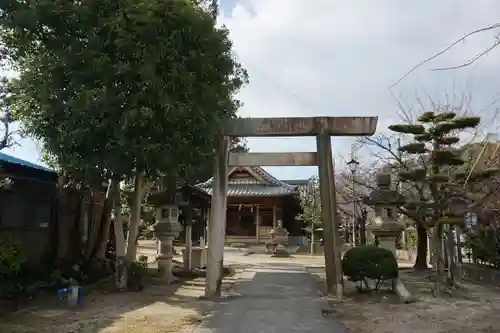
{"x":165,"y":268}
{"x":403,"y":293}
{"x":166,"y":251}
{"x":165,"y":264}
{"x":281,"y":252}
{"x":387,"y":240}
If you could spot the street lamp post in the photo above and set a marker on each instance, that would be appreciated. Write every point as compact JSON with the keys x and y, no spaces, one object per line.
{"x":312,"y":195}
{"x":353,"y":166}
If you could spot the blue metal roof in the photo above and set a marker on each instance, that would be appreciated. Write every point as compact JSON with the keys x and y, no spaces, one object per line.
{"x":18,"y":161}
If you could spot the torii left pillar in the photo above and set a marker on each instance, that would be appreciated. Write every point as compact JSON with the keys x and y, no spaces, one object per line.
{"x":217,"y":227}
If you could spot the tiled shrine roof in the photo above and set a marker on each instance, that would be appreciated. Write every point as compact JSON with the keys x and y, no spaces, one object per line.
{"x":252,"y":182}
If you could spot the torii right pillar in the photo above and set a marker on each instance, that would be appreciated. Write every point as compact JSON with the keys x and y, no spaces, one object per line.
{"x":331,"y":237}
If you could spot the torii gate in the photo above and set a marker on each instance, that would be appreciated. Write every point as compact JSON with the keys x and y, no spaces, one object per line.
{"x":321,"y":127}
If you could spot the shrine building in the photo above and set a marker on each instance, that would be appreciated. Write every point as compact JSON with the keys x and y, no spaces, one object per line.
{"x":256,"y":201}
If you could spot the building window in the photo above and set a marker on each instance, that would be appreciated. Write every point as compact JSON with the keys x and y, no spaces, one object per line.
{"x":41,"y":214}
{"x":266,"y":217}
{"x":13,"y":212}
{"x":266,"y":220}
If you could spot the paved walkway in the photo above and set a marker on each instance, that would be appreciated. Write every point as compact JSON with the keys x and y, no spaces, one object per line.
{"x":277,"y":298}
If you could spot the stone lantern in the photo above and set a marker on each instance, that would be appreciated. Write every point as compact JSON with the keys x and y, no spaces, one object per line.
{"x":279,"y":241}
{"x":166,"y":228}
{"x":385,"y":226}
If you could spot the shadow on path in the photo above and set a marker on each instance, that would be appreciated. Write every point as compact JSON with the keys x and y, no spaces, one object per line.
{"x":276,"y":298}
{"x":158,"y":308}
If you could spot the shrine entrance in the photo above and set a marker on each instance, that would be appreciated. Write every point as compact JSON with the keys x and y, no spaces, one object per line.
{"x":320,"y":127}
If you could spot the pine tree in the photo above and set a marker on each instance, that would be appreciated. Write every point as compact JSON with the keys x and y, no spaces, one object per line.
{"x":441,"y":174}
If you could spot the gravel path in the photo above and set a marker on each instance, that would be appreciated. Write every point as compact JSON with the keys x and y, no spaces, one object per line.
{"x":275,"y":298}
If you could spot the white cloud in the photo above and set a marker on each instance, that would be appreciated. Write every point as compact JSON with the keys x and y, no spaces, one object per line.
{"x":331,"y":57}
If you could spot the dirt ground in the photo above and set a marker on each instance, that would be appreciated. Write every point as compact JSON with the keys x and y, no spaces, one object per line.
{"x":473,"y":309}
{"x":159,"y":309}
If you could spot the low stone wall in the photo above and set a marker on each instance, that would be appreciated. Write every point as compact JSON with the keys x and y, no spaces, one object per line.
{"x":481,"y":274}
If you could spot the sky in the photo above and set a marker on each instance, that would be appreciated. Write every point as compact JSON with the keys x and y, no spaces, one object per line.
{"x":338,"y":58}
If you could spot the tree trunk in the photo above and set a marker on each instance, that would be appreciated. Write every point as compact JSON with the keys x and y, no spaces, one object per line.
{"x":421,"y":260}
{"x":458,"y":241}
{"x":76,"y":234}
{"x":460,"y":259}
{"x":90,"y":225}
{"x":451,"y":256}
{"x":362,"y":231}
{"x":438,"y":258}
{"x":188,"y":223}
{"x":56,"y":220}
{"x":135,"y":217}
{"x":120,"y":264}
{"x":446,"y":254}
{"x":105,"y":223}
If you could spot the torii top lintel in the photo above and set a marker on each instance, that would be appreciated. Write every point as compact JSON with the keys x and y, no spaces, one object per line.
{"x":301,"y":126}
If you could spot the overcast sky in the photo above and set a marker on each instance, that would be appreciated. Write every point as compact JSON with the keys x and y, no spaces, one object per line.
{"x":337,"y":58}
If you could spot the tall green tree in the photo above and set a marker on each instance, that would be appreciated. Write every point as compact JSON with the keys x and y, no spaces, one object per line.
{"x":6,"y":134}
{"x":122,"y":88}
{"x":441,"y":175}
{"x":6,"y":119}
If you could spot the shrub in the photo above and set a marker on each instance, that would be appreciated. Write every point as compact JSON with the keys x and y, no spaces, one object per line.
{"x":11,"y":256}
{"x":136,"y":271}
{"x":369,"y":262}
{"x":484,"y":244}
{"x":11,"y":263}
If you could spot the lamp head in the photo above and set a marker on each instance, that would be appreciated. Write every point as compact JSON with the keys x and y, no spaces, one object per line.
{"x":353,"y":165}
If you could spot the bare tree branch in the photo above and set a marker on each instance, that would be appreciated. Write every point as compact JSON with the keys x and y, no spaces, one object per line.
{"x":470,"y":62}
{"x":420,"y":64}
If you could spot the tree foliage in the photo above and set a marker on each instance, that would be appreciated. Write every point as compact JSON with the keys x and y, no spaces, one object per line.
{"x":121,"y":89}
{"x":6,"y":138}
{"x":440,"y":164}
{"x":310,"y":202}
{"x":117,"y":85}
{"x":484,"y":244}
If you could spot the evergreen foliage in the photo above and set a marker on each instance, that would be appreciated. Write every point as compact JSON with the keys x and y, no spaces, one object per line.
{"x":440,"y":174}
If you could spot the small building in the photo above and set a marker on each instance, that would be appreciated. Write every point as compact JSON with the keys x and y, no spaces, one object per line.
{"x":27,"y":203}
{"x":44,"y":220}
{"x":256,"y":201}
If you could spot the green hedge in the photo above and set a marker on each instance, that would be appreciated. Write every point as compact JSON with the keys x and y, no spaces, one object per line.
{"x":369,"y":262}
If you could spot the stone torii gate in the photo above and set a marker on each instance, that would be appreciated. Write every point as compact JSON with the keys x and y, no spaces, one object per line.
{"x":320,"y":127}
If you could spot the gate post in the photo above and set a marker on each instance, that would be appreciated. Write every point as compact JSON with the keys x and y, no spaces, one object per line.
{"x":217,"y":226}
{"x":334,"y":279}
